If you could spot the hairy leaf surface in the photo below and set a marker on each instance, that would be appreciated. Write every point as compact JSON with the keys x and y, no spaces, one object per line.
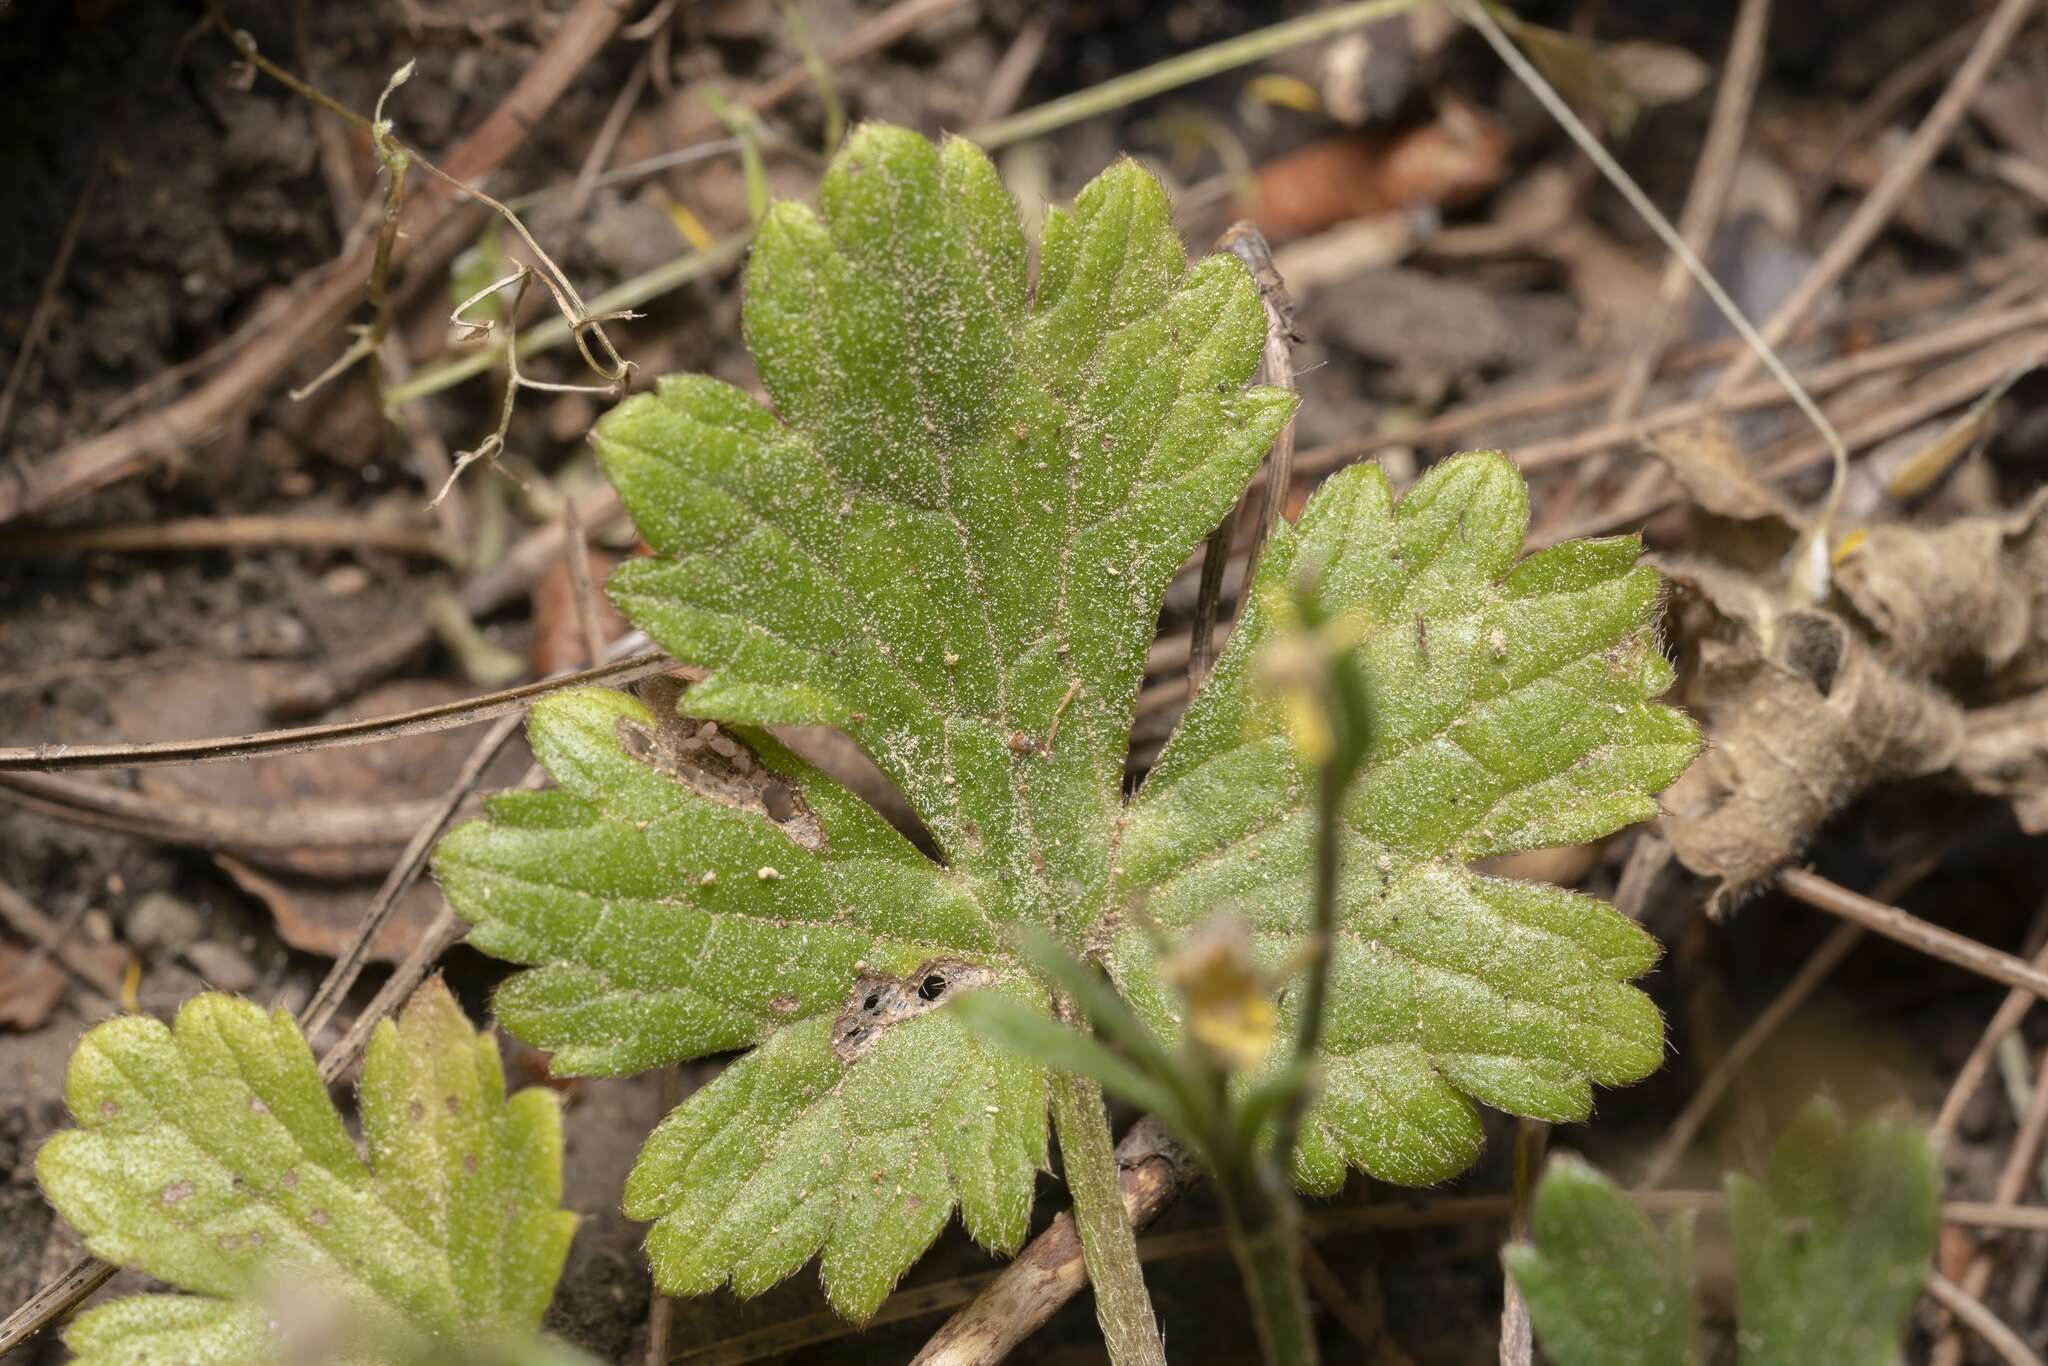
{"x":210,"y":1157}
{"x":1604,"y":1287}
{"x":1511,"y":711}
{"x":1832,"y":1245}
{"x":950,"y":538}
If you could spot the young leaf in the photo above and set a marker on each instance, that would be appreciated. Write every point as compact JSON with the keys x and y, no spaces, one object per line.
{"x":1604,"y":1287}
{"x":1832,"y":1246}
{"x":210,"y":1157}
{"x":1831,"y":1251}
{"x":950,"y":539}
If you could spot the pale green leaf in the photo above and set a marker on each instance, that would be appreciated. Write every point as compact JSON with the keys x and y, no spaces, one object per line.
{"x":949,"y":537}
{"x":1832,"y":1246}
{"x":1604,"y":1287}
{"x":209,"y":1156}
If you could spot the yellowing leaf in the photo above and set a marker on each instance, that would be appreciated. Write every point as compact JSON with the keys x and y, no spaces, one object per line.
{"x":210,"y":1157}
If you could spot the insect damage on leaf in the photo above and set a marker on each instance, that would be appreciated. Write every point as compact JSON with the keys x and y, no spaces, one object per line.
{"x":715,"y":764}
{"x":880,"y":1003}
{"x":950,"y":538}
{"x":210,"y":1157}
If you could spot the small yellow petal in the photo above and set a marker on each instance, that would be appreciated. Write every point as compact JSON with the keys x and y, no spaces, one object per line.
{"x":1288,"y":92}
{"x":1308,"y":726}
{"x":1239,"y":1032}
{"x":1228,"y":1010}
{"x":691,"y":228}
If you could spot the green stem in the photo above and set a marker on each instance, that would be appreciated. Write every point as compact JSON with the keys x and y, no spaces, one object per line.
{"x":1264,"y":1227}
{"x":1350,"y":718}
{"x":1330,"y":785}
{"x":1108,"y":1246}
{"x":1178,"y":71}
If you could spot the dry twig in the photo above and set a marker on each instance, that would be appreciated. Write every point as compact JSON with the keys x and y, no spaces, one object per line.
{"x":1276,"y":367}
{"x":2010,"y":1012}
{"x":491,"y":591}
{"x":439,"y":226}
{"x":1912,"y":931}
{"x":335,"y":987}
{"x":2014,"y":1177}
{"x":184,"y":820}
{"x":427,"y":451}
{"x":45,"y":311}
{"x":1901,"y":170}
{"x":1517,"y":1330}
{"x":1152,"y":1171}
{"x":333,"y":734}
{"x":1985,"y":1324}
{"x":1937,"y":392}
{"x":1906,"y":301}
{"x":1948,"y":339}
{"x":1679,"y":1135}
{"x":236,"y":533}
{"x":1701,"y":215}
{"x":26,"y":919}
{"x":1902,"y":84}
{"x":576,"y":551}
{"x":1819,"y":965}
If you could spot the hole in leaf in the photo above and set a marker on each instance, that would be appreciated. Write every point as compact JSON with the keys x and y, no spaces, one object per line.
{"x":877,"y":1004}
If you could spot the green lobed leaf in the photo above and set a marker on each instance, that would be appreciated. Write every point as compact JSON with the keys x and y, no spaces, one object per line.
{"x":1604,"y":1287}
{"x":1511,"y":711}
{"x":950,"y":538}
{"x":209,"y":1156}
{"x":951,"y":543}
{"x":1832,"y":1246}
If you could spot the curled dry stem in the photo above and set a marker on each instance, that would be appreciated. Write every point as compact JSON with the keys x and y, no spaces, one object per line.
{"x":587,"y":328}
{"x":396,"y":161}
{"x":492,"y":446}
